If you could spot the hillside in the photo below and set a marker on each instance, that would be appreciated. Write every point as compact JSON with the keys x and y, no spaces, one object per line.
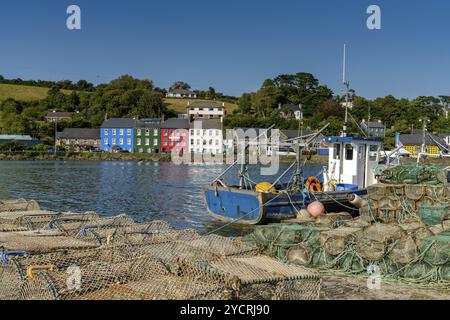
{"x":29,"y":93}
{"x":179,"y":105}
{"x":23,"y":93}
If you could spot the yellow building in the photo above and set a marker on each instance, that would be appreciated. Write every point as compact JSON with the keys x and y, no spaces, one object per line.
{"x":413,"y":143}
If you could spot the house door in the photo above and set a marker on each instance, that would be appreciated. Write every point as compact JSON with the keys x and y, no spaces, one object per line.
{"x":362,"y":168}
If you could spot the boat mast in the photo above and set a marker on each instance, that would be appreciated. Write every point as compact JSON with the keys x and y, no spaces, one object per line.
{"x":346,"y":92}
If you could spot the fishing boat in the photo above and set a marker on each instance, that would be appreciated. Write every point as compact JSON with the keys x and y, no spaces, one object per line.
{"x":351,"y":169}
{"x":349,"y":172}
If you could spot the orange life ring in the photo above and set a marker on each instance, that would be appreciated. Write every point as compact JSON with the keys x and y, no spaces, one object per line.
{"x":313,"y":184}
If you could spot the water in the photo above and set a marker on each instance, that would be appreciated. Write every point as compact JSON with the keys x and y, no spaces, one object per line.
{"x":144,"y":191}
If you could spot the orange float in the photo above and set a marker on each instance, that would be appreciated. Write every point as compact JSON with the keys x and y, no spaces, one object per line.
{"x":313,"y":184}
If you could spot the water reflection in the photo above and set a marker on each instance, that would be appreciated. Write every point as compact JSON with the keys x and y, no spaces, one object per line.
{"x":145,"y":191}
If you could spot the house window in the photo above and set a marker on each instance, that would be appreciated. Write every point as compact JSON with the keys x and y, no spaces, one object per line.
{"x":105,"y":142}
{"x":192,"y":132}
{"x":155,"y":142}
{"x":129,"y":132}
{"x":141,"y":150}
{"x":139,"y":142}
{"x":155,"y":132}
{"x":113,"y":131}
{"x":106,"y":132}
{"x":121,"y":132}
{"x":147,"y":132}
{"x":348,"y":152}
{"x":113,"y":141}
{"x":121,"y":141}
{"x":147,"y":141}
{"x":139,"y":132}
{"x":128,"y":141}
{"x":192,"y":141}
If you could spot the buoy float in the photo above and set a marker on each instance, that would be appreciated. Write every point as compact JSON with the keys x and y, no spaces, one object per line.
{"x":316,"y":209}
{"x":265,"y":187}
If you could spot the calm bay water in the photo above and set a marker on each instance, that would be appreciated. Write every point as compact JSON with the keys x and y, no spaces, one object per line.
{"x":144,"y":191}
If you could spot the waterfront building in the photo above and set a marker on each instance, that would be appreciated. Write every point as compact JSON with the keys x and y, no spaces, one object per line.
{"x":174,"y":133}
{"x":181,"y":94}
{"x":117,"y":134}
{"x":24,"y":140}
{"x":374,"y":129}
{"x":205,"y":110}
{"x":206,"y":136}
{"x":413,"y":143}
{"x":58,"y":116}
{"x":79,"y":139}
{"x":147,"y":137}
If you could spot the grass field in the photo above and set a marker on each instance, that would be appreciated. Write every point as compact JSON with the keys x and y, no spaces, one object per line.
{"x":179,"y":105}
{"x":29,"y":93}
{"x":23,"y":93}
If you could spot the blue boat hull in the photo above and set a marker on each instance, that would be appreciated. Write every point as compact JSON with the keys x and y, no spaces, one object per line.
{"x":250,"y":207}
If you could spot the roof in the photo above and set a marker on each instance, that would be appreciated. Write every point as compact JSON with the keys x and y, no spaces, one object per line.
{"x":181,"y":91}
{"x":259,"y":131}
{"x":206,"y":124}
{"x":15,"y":137}
{"x":142,"y":124}
{"x":119,"y":123}
{"x":373,"y":124}
{"x":444,"y":135}
{"x":416,"y":139}
{"x":59,"y":114}
{"x":79,"y":133}
{"x":351,"y":139}
{"x":175,"y":123}
{"x":206,"y":104}
{"x":291,"y":107}
{"x":290,"y":134}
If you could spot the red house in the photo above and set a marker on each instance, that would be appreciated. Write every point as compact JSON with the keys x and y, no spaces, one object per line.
{"x":175,"y":134}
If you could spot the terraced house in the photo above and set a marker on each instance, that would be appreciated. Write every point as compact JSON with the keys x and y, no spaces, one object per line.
{"x":146,"y":139}
{"x":117,"y":134}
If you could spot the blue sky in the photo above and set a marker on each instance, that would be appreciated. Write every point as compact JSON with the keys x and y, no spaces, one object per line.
{"x":232,"y":45}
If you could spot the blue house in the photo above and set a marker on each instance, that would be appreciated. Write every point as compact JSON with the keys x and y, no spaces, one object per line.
{"x":117,"y":134}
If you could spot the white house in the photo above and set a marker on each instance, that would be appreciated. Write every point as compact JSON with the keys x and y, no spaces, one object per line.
{"x":205,"y":110}
{"x":288,"y":111}
{"x":206,"y":136}
{"x":181,"y":93}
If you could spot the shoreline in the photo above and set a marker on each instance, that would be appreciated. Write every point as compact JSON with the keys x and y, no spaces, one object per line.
{"x":88,"y":156}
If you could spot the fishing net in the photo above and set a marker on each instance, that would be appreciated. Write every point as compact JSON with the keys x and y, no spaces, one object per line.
{"x":334,"y":242}
{"x":433,"y":214}
{"x":18,"y":205}
{"x":257,"y":278}
{"x":275,"y":240}
{"x":41,"y":219}
{"x":436,"y":249}
{"x":41,"y":241}
{"x":414,"y":174}
{"x":373,"y":242}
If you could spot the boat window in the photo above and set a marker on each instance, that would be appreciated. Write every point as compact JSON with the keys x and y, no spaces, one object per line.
{"x":373,"y":150}
{"x":337,"y":152}
{"x":348,"y":152}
